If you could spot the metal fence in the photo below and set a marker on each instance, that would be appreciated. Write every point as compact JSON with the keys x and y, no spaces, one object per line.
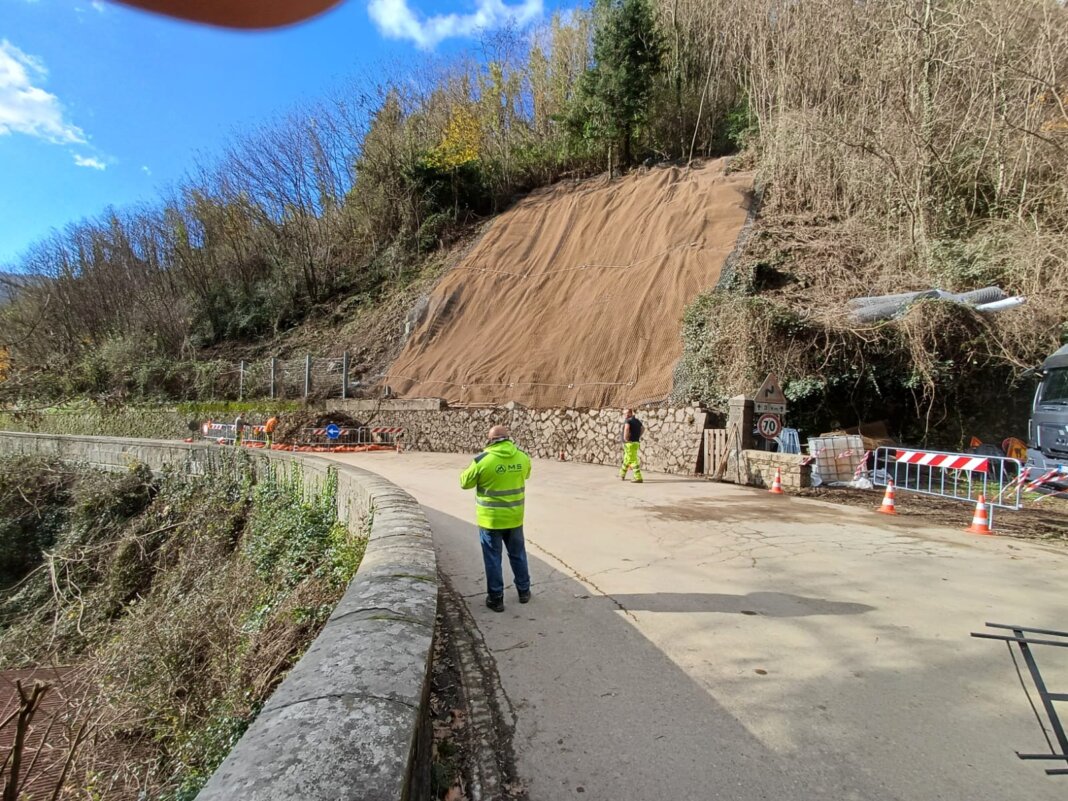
{"x":330,"y":437}
{"x":1023,"y":637}
{"x":340,"y":437}
{"x":310,"y":377}
{"x":955,"y":476}
{"x":227,"y":433}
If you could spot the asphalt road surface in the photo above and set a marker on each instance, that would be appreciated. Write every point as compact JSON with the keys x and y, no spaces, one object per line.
{"x":690,"y":640}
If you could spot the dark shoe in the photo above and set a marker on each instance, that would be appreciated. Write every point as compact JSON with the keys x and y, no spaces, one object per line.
{"x":496,"y":604}
{"x":524,"y":597}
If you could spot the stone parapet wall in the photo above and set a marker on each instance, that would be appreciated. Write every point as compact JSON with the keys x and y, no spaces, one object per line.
{"x":757,"y":468}
{"x":671,"y":442}
{"x":349,"y":720}
{"x":157,"y":422}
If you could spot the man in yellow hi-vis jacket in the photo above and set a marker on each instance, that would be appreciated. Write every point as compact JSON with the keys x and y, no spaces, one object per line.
{"x":498,"y":476}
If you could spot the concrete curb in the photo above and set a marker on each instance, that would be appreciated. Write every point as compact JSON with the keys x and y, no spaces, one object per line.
{"x":349,"y":721}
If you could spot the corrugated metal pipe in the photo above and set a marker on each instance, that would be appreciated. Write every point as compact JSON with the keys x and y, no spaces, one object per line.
{"x":883,"y":307}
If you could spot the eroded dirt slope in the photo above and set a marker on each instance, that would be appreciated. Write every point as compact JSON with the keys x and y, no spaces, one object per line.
{"x":575,"y":296}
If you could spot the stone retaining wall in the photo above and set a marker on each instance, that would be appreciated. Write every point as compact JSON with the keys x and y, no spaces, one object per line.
{"x":349,"y":721}
{"x":671,"y":443}
{"x":757,"y":468}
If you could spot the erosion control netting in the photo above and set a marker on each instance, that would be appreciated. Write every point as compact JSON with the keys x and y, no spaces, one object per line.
{"x":574,"y":297}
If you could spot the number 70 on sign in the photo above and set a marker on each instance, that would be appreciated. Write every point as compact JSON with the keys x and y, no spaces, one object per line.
{"x":769,"y":426}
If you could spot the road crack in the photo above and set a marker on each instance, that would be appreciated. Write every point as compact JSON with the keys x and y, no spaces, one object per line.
{"x":584,"y":579}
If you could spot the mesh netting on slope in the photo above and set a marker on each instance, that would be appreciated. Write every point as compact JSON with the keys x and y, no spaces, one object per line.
{"x":575,"y":296}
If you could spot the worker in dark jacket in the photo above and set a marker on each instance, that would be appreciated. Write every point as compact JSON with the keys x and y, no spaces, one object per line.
{"x":498,"y":476}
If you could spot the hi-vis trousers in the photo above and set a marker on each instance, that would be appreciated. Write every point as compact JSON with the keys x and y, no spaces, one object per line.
{"x":630,"y":459}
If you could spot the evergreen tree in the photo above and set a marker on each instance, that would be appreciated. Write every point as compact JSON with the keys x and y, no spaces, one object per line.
{"x":615,"y":91}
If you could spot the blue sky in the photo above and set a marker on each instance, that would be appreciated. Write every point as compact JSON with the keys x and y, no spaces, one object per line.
{"x":104,"y":105}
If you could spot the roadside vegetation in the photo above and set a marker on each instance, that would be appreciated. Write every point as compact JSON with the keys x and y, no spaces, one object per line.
{"x":907,"y":145}
{"x":169,"y":607}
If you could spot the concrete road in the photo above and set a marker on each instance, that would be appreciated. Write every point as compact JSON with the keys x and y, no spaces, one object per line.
{"x":689,"y":640}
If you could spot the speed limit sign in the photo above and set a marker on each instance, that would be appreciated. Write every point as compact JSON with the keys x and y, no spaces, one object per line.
{"x":769,"y":426}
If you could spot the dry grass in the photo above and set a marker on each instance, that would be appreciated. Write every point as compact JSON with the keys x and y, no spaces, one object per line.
{"x":938,"y":373}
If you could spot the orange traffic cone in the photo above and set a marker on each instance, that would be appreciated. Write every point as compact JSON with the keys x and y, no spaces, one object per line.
{"x":776,"y":485}
{"x":980,"y":520}
{"x":888,"y":500}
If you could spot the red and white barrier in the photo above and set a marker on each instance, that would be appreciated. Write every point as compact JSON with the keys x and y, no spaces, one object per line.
{"x":973,"y":464}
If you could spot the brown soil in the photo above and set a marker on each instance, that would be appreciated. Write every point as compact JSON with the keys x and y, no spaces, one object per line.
{"x":1043,"y":519}
{"x":574,"y":297}
{"x":42,"y":762}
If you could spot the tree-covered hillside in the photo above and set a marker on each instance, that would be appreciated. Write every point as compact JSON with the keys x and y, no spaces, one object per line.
{"x":900,"y":145}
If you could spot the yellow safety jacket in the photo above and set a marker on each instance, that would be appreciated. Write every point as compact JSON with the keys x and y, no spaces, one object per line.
{"x":498,"y":475}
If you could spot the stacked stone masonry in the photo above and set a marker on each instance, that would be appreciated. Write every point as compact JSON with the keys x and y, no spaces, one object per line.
{"x":758,"y":469}
{"x":671,"y":443}
{"x":349,"y":721}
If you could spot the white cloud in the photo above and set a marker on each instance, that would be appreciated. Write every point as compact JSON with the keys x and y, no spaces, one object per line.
{"x":99,"y":6}
{"x":26,"y":108}
{"x":90,"y":161}
{"x":146,"y":170}
{"x":395,"y":19}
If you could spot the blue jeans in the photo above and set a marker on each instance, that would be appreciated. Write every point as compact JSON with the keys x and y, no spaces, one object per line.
{"x":512,"y":539}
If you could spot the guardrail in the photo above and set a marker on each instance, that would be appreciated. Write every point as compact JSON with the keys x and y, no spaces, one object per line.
{"x":954,"y":476}
{"x":349,"y":720}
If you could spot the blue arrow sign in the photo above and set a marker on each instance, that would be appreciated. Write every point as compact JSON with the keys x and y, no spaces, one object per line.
{"x":333,"y":431}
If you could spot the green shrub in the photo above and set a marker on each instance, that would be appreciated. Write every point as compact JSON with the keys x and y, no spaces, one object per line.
{"x":183,"y":601}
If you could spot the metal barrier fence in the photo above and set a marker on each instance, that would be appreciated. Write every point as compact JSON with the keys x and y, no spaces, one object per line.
{"x":325,"y":437}
{"x":340,"y":437}
{"x":218,"y":431}
{"x":954,"y":476}
{"x":1049,"y":481}
{"x":226,"y":432}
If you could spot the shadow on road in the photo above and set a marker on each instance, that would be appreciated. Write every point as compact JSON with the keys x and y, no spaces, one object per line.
{"x":814,"y":697}
{"x":769,"y":604}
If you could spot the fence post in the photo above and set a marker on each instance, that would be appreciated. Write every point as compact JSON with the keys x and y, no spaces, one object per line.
{"x":241,"y":380}
{"x":345,"y":375}
{"x":274,"y":368}
{"x":307,"y":376}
